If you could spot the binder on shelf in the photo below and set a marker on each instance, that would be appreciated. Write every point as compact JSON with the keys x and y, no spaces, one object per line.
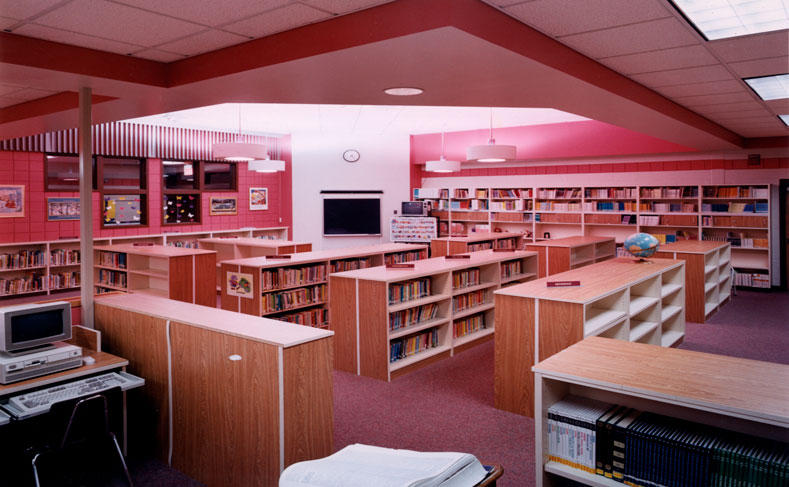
{"x":600,"y":431}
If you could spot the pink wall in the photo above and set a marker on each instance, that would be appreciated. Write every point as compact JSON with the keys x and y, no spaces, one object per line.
{"x":27,"y":168}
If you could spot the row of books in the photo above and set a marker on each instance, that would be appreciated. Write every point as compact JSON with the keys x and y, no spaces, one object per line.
{"x":409,"y":290}
{"x":512,"y":217}
{"x":752,"y":279}
{"x":405,"y":347}
{"x":401,"y":257}
{"x":556,"y":206}
{"x":318,"y":318}
{"x":559,"y":193}
{"x":611,"y":219}
{"x":63,"y":280}
{"x":272,"y":279}
{"x":679,"y":192}
{"x":112,"y":259}
{"x":557,"y":217}
{"x":19,"y":285}
{"x":460,"y":193}
{"x":736,"y":192}
{"x":480,"y":193}
{"x":507,"y":243}
{"x":465,"y":278}
{"x":351,"y":264}
{"x":468,"y":205}
{"x":273,"y":302}
{"x":734,"y":207}
{"x":510,"y":268}
{"x":609,"y":206}
{"x":438,"y":204}
{"x":64,"y":257}
{"x":734,"y":221}
{"x":512,"y":205}
{"x":112,"y":278}
{"x":668,"y":207}
{"x":186,"y":244}
{"x":434,"y":193}
{"x":469,"y":300}
{"x":476,"y":247}
{"x":23,"y":259}
{"x":510,"y":193}
{"x":739,"y":240}
{"x":412,"y":316}
{"x":678,"y":220}
{"x":644,"y":449}
{"x":469,"y":325}
{"x":611,"y":193}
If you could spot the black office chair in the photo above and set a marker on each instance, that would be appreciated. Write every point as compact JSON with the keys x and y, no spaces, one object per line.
{"x":88,"y":426}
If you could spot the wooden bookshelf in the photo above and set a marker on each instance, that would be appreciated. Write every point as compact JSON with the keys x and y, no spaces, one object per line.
{"x":622,"y":298}
{"x":306,"y":273}
{"x":562,"y":254}
{"x":247,"y":396}
{"x":181,"y":274}
{"x":707,"y":275}
{"x":739,"y":214}
{"x":372,"y":315}
{"x":475,"y":242}
{"x":736,"y":394}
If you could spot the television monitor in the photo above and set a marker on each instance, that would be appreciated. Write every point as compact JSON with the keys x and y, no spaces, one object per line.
{"x":413,"y":208}
{"x":352,"y":216}
{"x":28,"y":327}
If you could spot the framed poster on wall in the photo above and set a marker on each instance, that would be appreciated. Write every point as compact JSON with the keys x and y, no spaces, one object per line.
{"x":12,"y":201}
{"x":62,"y":209}
{"x":258,"y":198}
{"x":226,"y":205}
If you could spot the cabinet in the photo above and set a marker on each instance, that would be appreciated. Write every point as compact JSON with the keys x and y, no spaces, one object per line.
{"x":391,"y":321}
{"x":622,"y":298}
{"x":177,"y":273}
{"x":562,"y":254}
{"x":475,"y":242}
{"x":741,"y":395}
{"x":296,"y":288}
{"x":707,"y":275}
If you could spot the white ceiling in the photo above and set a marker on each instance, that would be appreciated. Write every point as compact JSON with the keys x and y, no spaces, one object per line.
{"x":291,"y":119}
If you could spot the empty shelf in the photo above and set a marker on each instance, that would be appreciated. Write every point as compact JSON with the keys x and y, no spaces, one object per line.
{"x":669,"y":312}
{"x":640,"y":303}
{"x":640,"y":328}
{"x":598,"y":319}
{"x":670,"y":338}
{"x":669,"y":289}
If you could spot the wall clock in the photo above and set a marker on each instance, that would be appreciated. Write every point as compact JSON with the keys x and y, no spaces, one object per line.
{"x":351,"y":155}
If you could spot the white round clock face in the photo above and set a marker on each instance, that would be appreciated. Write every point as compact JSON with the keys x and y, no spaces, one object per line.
{"x":351,"y":155}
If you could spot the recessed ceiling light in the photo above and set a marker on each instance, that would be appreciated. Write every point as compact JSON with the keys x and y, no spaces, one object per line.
{"x":403,"y":91}
{"x":720,"y":19}
{"x":770,"y":87}
{"x":784,"y":119}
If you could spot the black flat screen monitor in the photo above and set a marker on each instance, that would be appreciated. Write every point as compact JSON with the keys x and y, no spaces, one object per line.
{"x":352,"y":216}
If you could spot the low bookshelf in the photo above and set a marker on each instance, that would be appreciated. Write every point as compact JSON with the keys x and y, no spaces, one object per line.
{"x":474,"y":242}
{"x":182,"y":274}
{"x":621,"y":298}
{"x":295,"y":287}
{"x":388,"y":321}
{"x":562,"y":254}
{"x":733,"y":394}
{"x":708,"y":275}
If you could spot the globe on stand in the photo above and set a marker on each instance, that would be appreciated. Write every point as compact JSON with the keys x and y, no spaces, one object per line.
{"x":641,"y":246}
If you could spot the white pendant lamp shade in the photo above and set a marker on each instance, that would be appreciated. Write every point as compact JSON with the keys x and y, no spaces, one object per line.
{"x":491,"y":152}
{"x":238,"y":151}
{"x":267,"y":165}
{"x":442,"y":165}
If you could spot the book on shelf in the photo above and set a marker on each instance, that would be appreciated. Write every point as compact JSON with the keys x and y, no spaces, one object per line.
{"x":364,"y":466}
{"x":402,"y":348}
{"x":412,"y":316}
{"x":468,"y":325}
{"x":406,"y":291}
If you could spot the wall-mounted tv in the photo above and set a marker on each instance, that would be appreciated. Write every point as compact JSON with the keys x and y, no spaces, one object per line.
{"x":352,"y":214}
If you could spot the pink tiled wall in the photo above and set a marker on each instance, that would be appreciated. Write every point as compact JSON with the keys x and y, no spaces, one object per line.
{"x":27,"y":168}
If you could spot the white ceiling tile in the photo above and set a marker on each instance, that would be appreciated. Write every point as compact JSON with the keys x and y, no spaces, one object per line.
{"x":739,"y":114}
{"x":761,"y":67}
{"x":701,"y":74}
{"x":758,"y":46}
{"x":564,"y":17}
{"x":156,"y":55}
{"x":629,"y":39}
{"x":702,"y":100}
{"x":28,"y":94}
{"x":728,"y":107}
{"x":277,"y":21}
{"x":707,"y":88}
{"x":117,"y":22}
{"x":211,"y":13}
{"x":675,"y":58}
{"x":344,"y":6}
{"x":203,"y":42}
{"x":23,"y":9}
{"x":66,"y":37}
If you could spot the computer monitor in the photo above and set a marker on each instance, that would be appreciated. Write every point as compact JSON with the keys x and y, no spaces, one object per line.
{"x":413,"y":208}
{"x":30,"y":327}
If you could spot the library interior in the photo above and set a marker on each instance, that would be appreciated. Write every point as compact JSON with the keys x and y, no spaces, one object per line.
{"x":394,"y":242}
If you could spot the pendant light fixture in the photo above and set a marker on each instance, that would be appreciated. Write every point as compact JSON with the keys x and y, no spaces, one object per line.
{"x":491,"y":152}
{"x":267,"y":165}
{"x":238,"y":150}
{"x":442,"y":165}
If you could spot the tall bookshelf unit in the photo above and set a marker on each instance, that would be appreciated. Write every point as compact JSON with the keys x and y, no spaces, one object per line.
{"x":391,"y":321}
{"x":621,"y":298}
{"x":739,"y":214}
{"x":296,"y":288}
{"x":745,"y":396}
{"x":170,"y":272}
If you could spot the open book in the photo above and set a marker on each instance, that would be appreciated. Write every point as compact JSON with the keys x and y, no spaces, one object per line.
{"x":367,"y":466}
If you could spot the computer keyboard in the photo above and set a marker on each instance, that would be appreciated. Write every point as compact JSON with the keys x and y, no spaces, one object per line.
{"x":33,"y":403}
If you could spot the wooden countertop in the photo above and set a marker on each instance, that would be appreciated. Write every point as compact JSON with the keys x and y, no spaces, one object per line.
{"x":478,"y":237}
{"x":328,"y":254}
{"x":244,"y":326}
{"x":433,"y":266}
{"x":747,"y":388}
{"x":692,"y":246}
{"x":251,"y":242}
{"x":596,"y":280}
{"x":153,"y":250}
{"x":570,"y":241}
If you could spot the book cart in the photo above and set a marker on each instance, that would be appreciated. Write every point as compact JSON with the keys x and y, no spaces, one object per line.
{"x":388,"y":321}
{"x":740,"y":395}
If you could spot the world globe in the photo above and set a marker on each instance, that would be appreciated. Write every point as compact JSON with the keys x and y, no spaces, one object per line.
{"x":641,"y":245}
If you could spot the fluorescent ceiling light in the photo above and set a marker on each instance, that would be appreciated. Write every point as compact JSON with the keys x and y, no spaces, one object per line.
{"x":267,"y":165}
{"x":491,"y":152}
{"x":238,"y":151}
{"x":784,"y":119}
{"x":404,"y":91}
{"x":770,"y":87}
{"x":720,"y":19}
{"x":172,"y":163}
{"x":442,"y":165}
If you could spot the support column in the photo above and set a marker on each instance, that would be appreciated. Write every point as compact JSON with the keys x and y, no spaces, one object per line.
{"x":86,"y":206}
